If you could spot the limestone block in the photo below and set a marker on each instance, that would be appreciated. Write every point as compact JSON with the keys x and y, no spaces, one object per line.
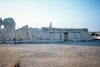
{"x":45,"y":33}
{"x":77,"y":35}
{"x":27,"y":41}
{"x":24,"y":41}
{"x":2,"y":39}
{"x":10,"y":42}
{"x":57,"y":41}
{"x":50,"y":41}
{"x":17,"y":41}
{"x":84,"y":34}
{"x":9,"y":34}
{"x":9,"y":23}
{"x":34,"y":33}
{"x":45,"y":36}
{"x":43,"y":41}
{"x":1,"y":42}
{"x":1,"y":31}
{"x":31,"y":41}
{"x":1,"y":35}
{"x":1,"y":22}
{"x":52,"y":36}
{"x":22,"y":33}
{"x":72,"y":36}
{"x":37,"y":41}
{"x":57,"y":36}
{"x":30,"y":34}
{"x":33,"y":38}
{"x":62,"y":36}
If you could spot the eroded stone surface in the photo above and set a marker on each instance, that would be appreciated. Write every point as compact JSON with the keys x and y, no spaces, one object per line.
{"x":22,"y":33}
{"x":1,"y":35}
{"x":8,"y":34}
{"x":34,"y":33}
{"x":9,"y":23}
{"x":1,"y":22}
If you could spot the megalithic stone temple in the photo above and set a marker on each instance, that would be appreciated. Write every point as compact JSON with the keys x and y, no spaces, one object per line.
{"x":9,"y":34}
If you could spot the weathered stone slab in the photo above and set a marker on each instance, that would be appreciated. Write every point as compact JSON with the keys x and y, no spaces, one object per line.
{"x":17,"y":41}
{"x":45,"y":33}
{"x":77,"y":35}
{"x":52,"y":36}
{"x":84,"y":34}
{"x":34,"y":33}
{"x":1,"y":35}
{"x":9,"y":34}
{"x":22,"y":33}
{"x":43,"y":41}
{"x":10,"y":42}
{"x":1,"y":22}
{"x":57,"y":36}
{"x":57,"y":41}
{"x":62,"y":36}
{"x":9,"y":23}
{"x":50,"y":41}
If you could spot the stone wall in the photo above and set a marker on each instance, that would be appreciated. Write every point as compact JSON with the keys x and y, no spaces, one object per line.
{"x":35,"y":35}
{"x":22,"y":33}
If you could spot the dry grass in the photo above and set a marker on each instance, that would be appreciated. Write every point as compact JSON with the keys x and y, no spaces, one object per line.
{"x":47,"y":55}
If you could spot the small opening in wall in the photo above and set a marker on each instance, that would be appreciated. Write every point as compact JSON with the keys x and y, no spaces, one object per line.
{"x":65,"y":36}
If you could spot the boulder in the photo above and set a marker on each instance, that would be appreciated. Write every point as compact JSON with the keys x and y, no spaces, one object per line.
{"x":9,"y":23}
{"x":22,"y":33}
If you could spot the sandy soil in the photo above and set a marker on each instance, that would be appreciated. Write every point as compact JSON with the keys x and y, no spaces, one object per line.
{"x":50,"y":55}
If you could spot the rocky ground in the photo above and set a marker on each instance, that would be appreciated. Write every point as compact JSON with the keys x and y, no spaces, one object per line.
{"x":69,"y":54}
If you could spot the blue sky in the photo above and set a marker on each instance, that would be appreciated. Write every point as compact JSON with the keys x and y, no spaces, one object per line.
{"x":62,"y":13}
